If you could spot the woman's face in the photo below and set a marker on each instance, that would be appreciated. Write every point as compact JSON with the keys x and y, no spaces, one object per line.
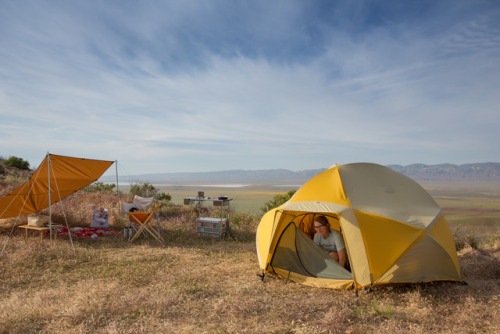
{"x":321,"y":229}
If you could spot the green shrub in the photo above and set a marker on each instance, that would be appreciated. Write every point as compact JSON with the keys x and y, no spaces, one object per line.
{"x":99,"y":186}
{"x":462,"y":241}
{"x":2,"y":169}
{"x":163,"y":197}
{"x":17,"y":163}
{"x":471,"y":240}
{"x":143,"y":190}
{"x":277,"y":200}
{"x":148,"y":190}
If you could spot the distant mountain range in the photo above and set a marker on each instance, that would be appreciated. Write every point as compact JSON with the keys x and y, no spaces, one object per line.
{"x":419,"y":172}
{"x":489,"y":171}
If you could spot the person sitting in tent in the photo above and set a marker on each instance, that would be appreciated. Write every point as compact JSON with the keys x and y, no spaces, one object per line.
{"x":330,"y":240}
{"x":100,"y":218}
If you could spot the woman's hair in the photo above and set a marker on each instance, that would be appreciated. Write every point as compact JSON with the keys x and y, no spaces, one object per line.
{"x":322,"y":220}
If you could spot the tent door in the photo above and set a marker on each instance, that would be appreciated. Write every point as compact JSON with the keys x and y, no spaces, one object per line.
{"x":296,"y":252}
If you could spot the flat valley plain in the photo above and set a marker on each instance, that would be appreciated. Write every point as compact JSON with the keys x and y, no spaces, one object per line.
{"x":470,"y":206}
{"x":245,"y":198}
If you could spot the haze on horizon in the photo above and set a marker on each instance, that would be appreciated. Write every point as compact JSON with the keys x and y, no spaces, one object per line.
{"x":192,"y":86}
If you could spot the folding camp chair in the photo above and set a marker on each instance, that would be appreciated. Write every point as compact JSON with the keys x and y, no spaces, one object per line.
{"x":144,"y":221}
{"x":139,"y":203}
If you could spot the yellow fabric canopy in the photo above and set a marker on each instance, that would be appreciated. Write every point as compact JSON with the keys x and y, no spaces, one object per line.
{"x":67,"y":175}
{"x":393,"y":230}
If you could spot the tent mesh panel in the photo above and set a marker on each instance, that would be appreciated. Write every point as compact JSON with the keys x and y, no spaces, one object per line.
{"x":297,"y":253}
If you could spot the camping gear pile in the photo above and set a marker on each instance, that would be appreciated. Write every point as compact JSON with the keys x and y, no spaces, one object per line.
{"x":394,"y":232}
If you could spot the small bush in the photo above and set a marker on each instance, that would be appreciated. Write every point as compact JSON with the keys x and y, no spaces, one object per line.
{"x":462,"y":241}
{"x":143,"y":190}
{"x":471,"y":240}
{"x":17,"y":163}
{"x":99,"y":186}
{"x":277,"y":201}
{"x":163,"y":197}
{"x":148,"y":190}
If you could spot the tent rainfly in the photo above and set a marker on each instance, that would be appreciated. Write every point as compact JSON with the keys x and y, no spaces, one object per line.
{"x":57,"y":177}
{"x":394,"y":231}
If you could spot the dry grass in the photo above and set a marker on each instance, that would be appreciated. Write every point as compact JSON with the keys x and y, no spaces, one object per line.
{"x":186,"y":284}
{"x":206,"y":286}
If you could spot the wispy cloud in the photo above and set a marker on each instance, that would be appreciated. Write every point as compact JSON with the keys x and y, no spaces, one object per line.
{"x":190,"y":86}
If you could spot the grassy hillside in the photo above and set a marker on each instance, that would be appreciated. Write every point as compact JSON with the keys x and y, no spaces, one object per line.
{"x":186,"y":284}
{"x":11,"y":177}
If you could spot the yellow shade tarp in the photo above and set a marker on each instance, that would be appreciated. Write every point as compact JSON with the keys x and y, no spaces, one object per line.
{"x":67,"y":175}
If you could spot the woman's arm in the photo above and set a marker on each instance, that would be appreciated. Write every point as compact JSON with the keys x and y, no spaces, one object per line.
{"x":334,"y":255}
{"x":342,"y":257}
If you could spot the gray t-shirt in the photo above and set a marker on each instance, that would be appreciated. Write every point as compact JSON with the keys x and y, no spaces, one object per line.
{"x":333,"y":243}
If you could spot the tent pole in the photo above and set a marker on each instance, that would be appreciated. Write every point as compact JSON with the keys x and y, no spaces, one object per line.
{"x":50,"y":211}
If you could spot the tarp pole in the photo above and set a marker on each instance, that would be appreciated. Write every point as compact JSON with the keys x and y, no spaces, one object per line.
{"x":50,"y":211}
{"x":118,"y":192}
{"x":65,"y":217}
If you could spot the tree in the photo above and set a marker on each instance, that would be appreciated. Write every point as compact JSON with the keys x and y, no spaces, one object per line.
{"x":143,"y":190}
{"x":17,"y":163}
{"x":148,"y":190}
{"x":277,"y":200}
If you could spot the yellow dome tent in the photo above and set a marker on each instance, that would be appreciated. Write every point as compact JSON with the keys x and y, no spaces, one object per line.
{"x":393,"y":230}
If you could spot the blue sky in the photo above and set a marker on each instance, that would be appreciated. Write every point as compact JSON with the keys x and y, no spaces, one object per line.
{"x":185,"y":86}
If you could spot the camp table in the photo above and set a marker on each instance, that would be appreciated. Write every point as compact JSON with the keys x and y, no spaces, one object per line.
{"x":211,"y":227}
{"x":41,"y":229}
